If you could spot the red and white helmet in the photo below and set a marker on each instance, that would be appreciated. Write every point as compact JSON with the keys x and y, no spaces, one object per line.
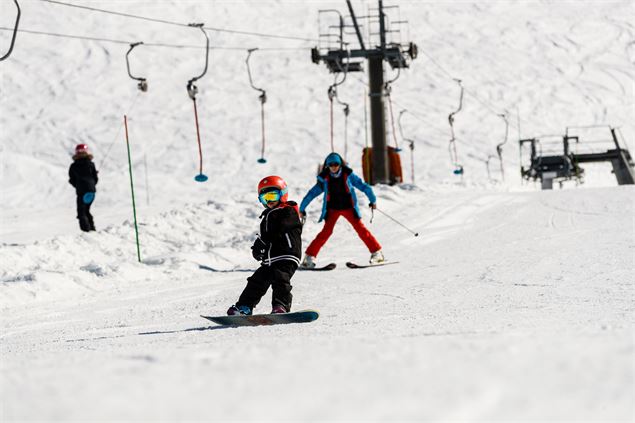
{"x":81,"y":148}
{"x":273,"y":183}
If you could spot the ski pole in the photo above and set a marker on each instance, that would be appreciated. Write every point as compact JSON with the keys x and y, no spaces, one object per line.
{"x":134,"y":208}
{"x":397,"y":222}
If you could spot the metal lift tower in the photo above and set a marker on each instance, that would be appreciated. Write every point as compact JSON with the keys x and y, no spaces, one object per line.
{"x":341,"y":60}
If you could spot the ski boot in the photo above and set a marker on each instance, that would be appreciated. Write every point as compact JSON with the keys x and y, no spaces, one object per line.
{"x":309,"y":262}
{"x":278,"y":309}
{"x":237,"y":310}
{"x":376,"y":257}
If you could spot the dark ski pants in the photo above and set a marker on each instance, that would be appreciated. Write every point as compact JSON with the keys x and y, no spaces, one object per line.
{"x":326,"y":232}
{"x":278,"y":276}
{"x":86,"y":222}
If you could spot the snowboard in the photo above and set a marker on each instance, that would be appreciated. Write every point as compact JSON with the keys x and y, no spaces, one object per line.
{"x":352,"y":265}
{"x":303,"y":316}
{"x":329,"y":266}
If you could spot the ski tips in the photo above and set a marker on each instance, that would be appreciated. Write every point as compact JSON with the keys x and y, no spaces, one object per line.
{"x":200,"y":178}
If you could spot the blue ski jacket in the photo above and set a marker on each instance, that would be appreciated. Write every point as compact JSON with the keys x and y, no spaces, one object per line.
{"x":322,"y":186}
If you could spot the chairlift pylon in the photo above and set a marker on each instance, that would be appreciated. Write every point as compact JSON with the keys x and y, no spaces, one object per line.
{"x":192,"y":91}
{"x":15,"y":32}
{"x":143,"y":83}
{"x":263,"y":100}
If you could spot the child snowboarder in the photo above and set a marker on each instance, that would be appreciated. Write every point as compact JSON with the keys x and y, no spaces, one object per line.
{"x":83,"y":176}
{"x":336,"y":181}
{"x":278,"y":248}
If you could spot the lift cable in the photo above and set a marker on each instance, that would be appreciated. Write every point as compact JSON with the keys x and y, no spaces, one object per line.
{"x":163,"y":21}
{"x":263,"y":100}
{"x":114,"y":41}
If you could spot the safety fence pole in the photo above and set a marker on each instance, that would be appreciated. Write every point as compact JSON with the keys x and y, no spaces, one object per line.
{"x":134,"y":207}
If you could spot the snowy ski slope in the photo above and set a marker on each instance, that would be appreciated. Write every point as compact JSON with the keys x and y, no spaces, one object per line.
{"x":512,"y":304}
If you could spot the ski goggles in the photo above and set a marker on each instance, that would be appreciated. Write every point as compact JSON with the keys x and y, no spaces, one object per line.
{"x":270,"y":195}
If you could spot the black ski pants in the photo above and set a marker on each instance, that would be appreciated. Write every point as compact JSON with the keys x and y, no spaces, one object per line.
{"x":278,"y":276}
{"x":86,"y":222}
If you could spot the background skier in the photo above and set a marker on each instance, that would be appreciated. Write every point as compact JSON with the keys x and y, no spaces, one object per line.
{"x":83,"y":176}
{"x":278,"y":247}
{"x":336,"y":182}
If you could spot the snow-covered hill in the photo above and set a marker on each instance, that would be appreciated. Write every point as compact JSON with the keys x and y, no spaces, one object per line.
{"x":511,"y":304}
{"x":506,"y":307}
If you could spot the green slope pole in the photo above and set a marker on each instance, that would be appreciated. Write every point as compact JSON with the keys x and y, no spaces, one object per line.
{"x":134,"y":208}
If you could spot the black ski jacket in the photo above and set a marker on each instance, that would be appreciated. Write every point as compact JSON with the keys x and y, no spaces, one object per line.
{"x":280,"y":234}
{"x":83,"y":175}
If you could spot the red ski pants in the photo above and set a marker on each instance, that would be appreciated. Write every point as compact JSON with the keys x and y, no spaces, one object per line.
{"x":327,"y":231}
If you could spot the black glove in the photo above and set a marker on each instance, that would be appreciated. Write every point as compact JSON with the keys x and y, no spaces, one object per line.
{"x":258,"y":249}
{"x":303,"y":217}
{"x":372,"y":206}
{"x":259,"y":255}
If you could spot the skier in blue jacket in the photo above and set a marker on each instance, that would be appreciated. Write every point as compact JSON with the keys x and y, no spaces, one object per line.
{"x":337,"y":182}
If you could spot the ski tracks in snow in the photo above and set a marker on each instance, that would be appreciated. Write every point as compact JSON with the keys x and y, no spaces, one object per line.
{"x":488,"y":295}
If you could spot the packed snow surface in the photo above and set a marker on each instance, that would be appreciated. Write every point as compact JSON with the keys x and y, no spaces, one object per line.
{"x":512,"y":304}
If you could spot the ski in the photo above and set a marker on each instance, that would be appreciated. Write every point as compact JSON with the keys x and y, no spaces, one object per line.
{"x":303,"y":316}
{"x":329,"y":266}
{"x":213,"y":269}
{"x":352,"y":265}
